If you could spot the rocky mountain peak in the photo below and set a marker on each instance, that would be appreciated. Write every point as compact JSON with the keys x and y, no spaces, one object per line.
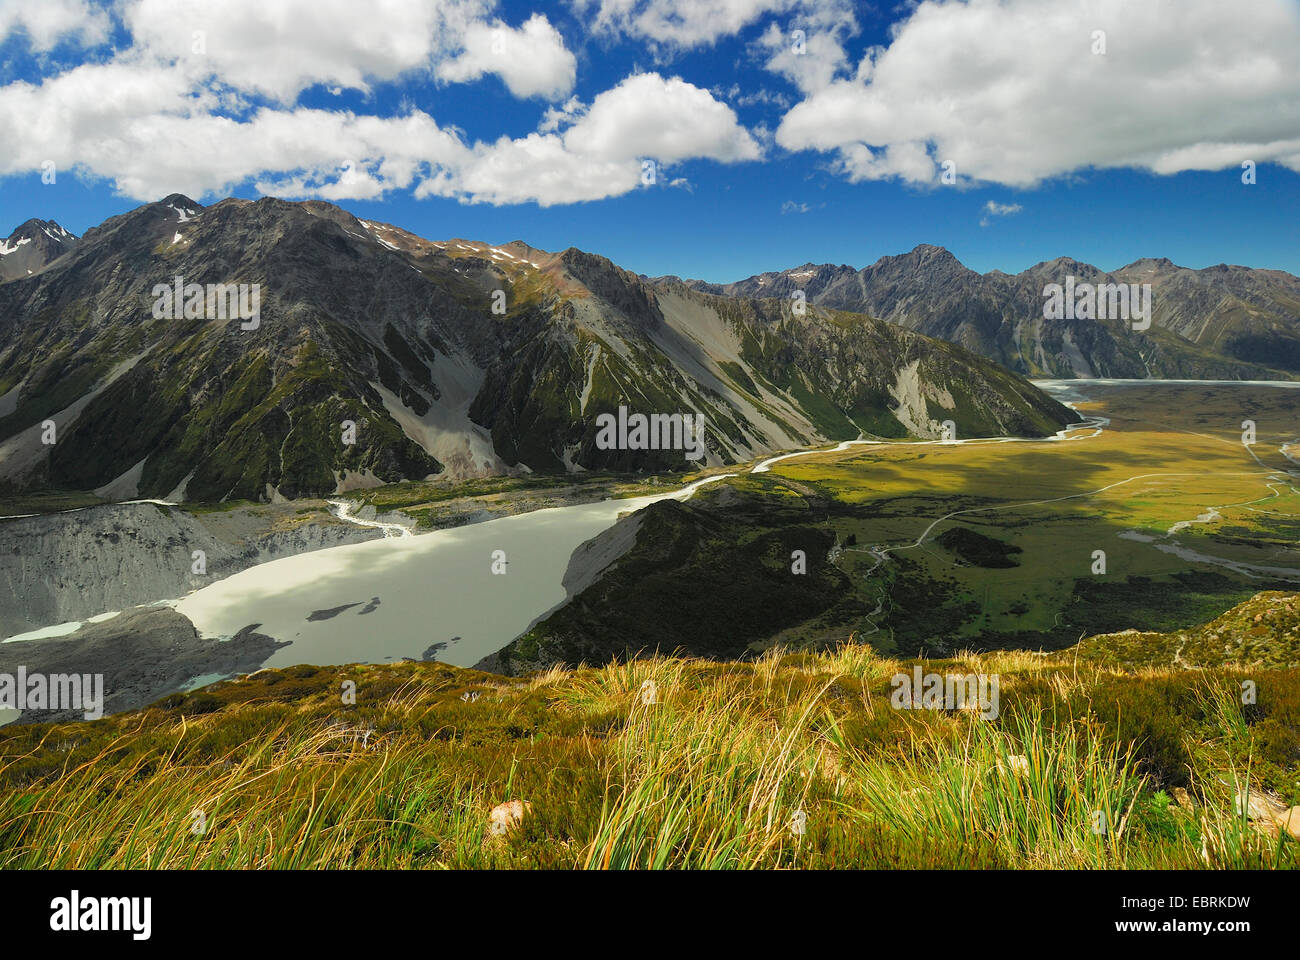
{"x":32,"y":246}
{"x":328,"y":211}
{"x":929,"y":251}
{"x":1152,"y":264}
{"x":32,"y":228}
{"x":182,"y":206}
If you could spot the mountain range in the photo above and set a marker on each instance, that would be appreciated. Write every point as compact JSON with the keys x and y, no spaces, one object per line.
{"x":442,"y":358}
{"x":1222,"y":322}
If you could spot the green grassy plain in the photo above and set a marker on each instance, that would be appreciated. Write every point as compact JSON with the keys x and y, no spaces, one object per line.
{"x":1162,"y":462}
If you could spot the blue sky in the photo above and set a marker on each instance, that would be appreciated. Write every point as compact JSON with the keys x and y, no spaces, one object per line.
{"x":772,"y":148}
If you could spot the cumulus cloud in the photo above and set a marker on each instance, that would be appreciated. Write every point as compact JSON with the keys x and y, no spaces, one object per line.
{"x":600,"y":154}
{"x":47,"y":22}
{"x":671,"y":26}
{"x":532,"y":60}
{"x":670,"y":120}
{"x":566,"y":112}
{"x":140,"y":127}
{"x":207,"y":97}
{"x":1011,"y":92}
{"x":809,"y":51}
{"x":679,"y":24}
{"x":277,"y":49}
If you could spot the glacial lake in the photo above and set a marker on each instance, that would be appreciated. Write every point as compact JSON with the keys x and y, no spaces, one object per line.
{"x":402,"y":595}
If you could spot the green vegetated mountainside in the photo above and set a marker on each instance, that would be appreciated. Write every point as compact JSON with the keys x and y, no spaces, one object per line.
{"x":363,"y":322}
{"x":1264,"y":630}
{"x":1222,"y":322}
{"x":709,"y":577}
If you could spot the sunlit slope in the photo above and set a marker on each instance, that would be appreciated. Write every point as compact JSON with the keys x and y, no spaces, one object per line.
{"x":1172,"y":494}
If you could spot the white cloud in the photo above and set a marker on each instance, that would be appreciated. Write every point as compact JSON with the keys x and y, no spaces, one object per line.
{"x":668,"y":120}
{"x":809,"y":52}
{"x":600,"y":153}
{"x":760,"y":97}
{"x":680,"y":24}
{"x":532,"y":60}
{"x":1002,"y":209}
{"x":671,"y":26}
{"x":89,"y":113}
{"x":538,"y":168}
{"x":139,"y":125}
{"x":277,"y":48}
{"x":565,"y":113}
{"x":1011,"y":92}
{"x":300,"y":152}
{"x":905,"y":160}
{"x":207,"y":97}
{"x":994,"y":209}
{"x":46,"y":22}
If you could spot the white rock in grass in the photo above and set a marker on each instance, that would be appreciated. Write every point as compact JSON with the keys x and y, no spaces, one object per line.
{"x":506,"y":816}
{"x":1257,"y":806}
{"x":1018,"y":763}
{"x":1268,"y":814}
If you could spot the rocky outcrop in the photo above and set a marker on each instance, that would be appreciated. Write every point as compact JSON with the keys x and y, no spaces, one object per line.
{"x":141,"y":654}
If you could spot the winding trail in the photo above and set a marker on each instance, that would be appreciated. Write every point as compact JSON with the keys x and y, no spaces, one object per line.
{"x":1095,"y":424}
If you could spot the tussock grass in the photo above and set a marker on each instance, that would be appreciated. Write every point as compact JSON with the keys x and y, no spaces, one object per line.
{"x":1038,"y":794}
{"x":793,"y":760}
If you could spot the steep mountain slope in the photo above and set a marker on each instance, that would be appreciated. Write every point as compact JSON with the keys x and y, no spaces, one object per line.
{"x":363,"y":354}
{"x":1223,"y":322}
{"x":31,"y":247}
